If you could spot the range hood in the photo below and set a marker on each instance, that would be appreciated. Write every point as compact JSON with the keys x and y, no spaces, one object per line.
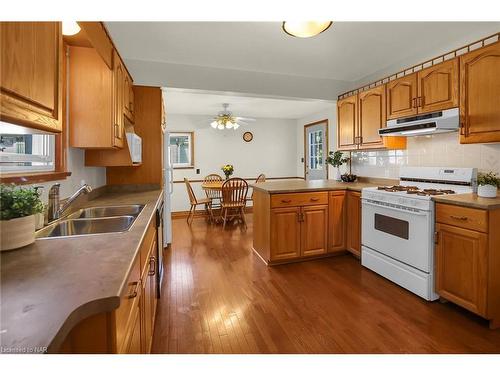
{"x":429,"y":123}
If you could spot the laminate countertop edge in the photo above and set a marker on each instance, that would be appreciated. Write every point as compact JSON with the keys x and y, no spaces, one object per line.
{"x":470,"y":201}
{"x":98,"y":297}
{"x":301,"y":186}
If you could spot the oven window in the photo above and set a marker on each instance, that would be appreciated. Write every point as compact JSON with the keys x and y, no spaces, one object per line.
{"x":391,"y":225}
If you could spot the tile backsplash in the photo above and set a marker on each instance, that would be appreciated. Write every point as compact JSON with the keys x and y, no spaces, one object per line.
{"x":443,"y":150}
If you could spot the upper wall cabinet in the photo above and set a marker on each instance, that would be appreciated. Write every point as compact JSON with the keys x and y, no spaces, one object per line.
{"x":371,"y":117}
{"x":438,"y":87}
{"x":402,"y":97}
{"x":347,"y":123}
{"x":31,"y":74}
{"x":480,"y":95}
{"x":118,"y":100}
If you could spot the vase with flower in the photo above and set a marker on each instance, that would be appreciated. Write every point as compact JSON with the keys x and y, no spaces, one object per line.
{"x":228,"y":170}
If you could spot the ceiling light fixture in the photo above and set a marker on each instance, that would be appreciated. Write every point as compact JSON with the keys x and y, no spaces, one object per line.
{"x":305,"y":29}
{"x":70,"y":28}
{"x":226,"y":120}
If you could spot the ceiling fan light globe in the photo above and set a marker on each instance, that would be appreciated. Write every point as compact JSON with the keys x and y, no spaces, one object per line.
{"x":236,"y":126}
{"x":220,"y":127}
{"x":213,"y":124}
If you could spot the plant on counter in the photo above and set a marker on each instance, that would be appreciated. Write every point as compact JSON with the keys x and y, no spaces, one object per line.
{"x":18,"y":207}
{"x":228,"y":170}
{"x":337,"y":159}
{"x":488,"y":184}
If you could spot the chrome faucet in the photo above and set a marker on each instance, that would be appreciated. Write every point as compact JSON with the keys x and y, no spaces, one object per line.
{"x":56,"y":210}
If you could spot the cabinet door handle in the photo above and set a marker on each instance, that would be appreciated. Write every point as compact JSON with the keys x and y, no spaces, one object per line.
{"x":436,"y":238}
{"x":414,"y":103}
{"x":314,"y":199}
{"x":461,"y":218}
{"x":152,"y":266}
{"x":134,"y":293}
{"x":421,"y":101}
{"x":462,"y":127}
{"x":286,"y":201}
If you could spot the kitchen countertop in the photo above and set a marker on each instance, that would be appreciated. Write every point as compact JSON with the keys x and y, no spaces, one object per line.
{"x":469,"y":200}
{"x":51,"y":285}
{"x":297,"y":186}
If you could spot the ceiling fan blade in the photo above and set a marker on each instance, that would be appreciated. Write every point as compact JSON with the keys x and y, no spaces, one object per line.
{"x":245,"y":119}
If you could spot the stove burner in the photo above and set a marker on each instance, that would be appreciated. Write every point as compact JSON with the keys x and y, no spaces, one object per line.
{"x":414,"y":190}
{"x":426,"y":192}
{"x":397,"y":188}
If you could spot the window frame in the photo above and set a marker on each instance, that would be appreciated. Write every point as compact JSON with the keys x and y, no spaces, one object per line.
{"x":190,"y":135}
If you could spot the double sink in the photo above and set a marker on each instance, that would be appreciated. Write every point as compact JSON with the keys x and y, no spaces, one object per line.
{"x":93,"y":220}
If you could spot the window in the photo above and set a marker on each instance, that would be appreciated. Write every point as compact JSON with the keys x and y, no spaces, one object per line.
{"x":316,"y":149}
{"x":24,"y":150}
{"x":182,"y":150}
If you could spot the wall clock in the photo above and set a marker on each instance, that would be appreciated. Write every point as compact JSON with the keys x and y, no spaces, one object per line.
{"x":247,"y":136}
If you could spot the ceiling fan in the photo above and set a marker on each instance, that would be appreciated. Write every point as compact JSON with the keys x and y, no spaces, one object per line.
{"x":226,"y":120}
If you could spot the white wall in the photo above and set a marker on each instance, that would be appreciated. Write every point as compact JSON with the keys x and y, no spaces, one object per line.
{"x":330,"y":115}
{"x":272,"y":151}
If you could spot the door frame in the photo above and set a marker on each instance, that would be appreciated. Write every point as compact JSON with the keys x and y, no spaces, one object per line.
{"x":325,"y":121}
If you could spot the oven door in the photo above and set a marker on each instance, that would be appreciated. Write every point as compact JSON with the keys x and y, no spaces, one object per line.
{"x":399,"y":233}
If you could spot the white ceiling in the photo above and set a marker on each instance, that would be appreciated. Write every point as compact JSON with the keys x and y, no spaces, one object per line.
{"x":348,"y":51}
{"x":178,"y":101}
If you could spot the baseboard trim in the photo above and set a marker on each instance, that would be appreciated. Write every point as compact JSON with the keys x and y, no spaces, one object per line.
{"x":184,"y":214}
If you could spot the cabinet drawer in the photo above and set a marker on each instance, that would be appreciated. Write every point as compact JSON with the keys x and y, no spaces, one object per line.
{"x":463,"y":217}
{"x":128,"y":301}
{"x":299,"y":199}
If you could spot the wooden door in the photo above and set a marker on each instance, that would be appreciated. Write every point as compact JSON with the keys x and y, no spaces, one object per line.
{"x":402,"y":97}
{"x":479,"y":95}
{"x":285,"y":233}
{"x":134,"y":337}
{"x":314,"y":230}
{"x":461,"y":267}
{"x":371,"y":116}
{"x":118,"y":97}
{"x":336,"y":222}
{"x":438,"y":87}
{"x":347,"y":123}
{"x":353,"y":227}
{"x":31,"y":74}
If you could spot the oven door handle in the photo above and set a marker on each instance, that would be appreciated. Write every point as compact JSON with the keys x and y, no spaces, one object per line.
{"x":419,"y":213}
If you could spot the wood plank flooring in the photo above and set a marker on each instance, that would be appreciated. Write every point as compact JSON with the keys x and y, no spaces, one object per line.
{"x":219,"y":297}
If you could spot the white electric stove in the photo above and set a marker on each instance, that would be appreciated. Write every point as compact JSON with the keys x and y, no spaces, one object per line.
{"x":397,"y":232}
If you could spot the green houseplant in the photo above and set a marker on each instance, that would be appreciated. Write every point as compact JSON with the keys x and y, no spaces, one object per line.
{"x":18,"y":207}
{"x":336,"y":159}
{"x":228,"y":170}
{"x":488,"y":183}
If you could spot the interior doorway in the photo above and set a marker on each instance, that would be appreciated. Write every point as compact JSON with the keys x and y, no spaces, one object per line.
{"x":316,"y":150}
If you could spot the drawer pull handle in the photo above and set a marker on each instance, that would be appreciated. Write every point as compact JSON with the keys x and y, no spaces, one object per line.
{"x":462,"y":218}
{"x":286,"y":201}
{"x":314,"y":199}
{"x":134,"y":293}
{"x":152,"y":266}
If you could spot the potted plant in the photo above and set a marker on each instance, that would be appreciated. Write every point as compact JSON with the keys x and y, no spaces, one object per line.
{"x":488,"y":184}
{"x":228,"y":170}
{"x":336,"y":159}
{"x":18,"y":207}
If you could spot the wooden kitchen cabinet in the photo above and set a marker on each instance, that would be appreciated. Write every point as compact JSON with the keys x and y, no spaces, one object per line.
{"x":285,"y":233}
{"x":314,"y":230}
{"x":353,"y":227}
{"x":336,"y":222}
{"x":479,"y":95}
{"x":31,"y":77}
{"x":118,"y":101}
{"x":468,"y":259}
{"x":128,"y":101}
{"x":347,"y":123}
{"x":438,"y":87}
{"x":402,"y":97}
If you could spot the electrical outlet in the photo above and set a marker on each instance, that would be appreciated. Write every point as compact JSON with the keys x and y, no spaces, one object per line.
{"x":197,"y":170}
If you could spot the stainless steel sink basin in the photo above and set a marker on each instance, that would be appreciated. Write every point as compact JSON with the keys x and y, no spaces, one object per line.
{"x":79,"y":227}
{"x":108,"y":211}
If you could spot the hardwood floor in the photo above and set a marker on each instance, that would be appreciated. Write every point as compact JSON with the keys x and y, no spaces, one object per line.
{"x":219,"y":297}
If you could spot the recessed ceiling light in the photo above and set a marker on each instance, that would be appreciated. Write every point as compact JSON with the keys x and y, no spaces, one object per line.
{"x":70,"y":28}
{"x":305,"y":29}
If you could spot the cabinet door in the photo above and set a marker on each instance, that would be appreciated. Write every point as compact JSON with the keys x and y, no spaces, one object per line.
{"x":314,"y":230}
{"x":353,"y":228}
{"x":479,"y":95}
{"x":336,"y":222}
{"x":438,"y":87}
{"x":371,"y":106}
{"x":118,"y":108}
{"x":285,"y":233}
{"x":347,"y":123}
{"x":401,"y":97}
{"x":31,"y":74}
{"x":149,"y":305}
{"x":134,"y":345}
{"x":461,"y":267}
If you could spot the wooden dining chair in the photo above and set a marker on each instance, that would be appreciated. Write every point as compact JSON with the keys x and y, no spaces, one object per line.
{"x":214,"y":195}
{"x":234,"y":195}
{"x":197,"y":202}
{"x":260,"y":178}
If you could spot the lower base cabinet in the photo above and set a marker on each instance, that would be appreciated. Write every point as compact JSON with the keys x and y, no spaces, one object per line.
{"x":129,"y":328}
{"x":336,"y":222}
{"x":353,"y":222}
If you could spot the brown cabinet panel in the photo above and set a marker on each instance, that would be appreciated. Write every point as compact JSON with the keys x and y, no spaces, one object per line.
{"x":353,"y":227}
{"x":314,"y":230}
{"x":31,"y":74}
{"x":285,"y":233}
{"x":463,"y":217}
{"x":347,"y":123}
{"x":372,"y":117}
{"x":336,"y":222}
{"x":299,"y":199}
{"x":461,"y":267}
{"x":479,"y":95}
{"x":118,"y":101}
{"x":401,"y":97}
{"x":134,"y":343}
{"x":438,"y":87}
